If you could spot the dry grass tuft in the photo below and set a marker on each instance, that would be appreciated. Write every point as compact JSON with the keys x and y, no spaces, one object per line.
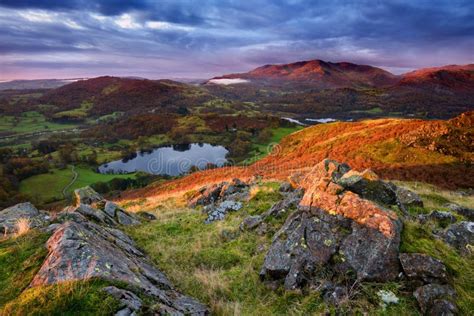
{"x":23,"y":226}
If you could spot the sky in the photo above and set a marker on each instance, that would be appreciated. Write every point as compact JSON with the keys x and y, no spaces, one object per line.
{"x":205,"y":38}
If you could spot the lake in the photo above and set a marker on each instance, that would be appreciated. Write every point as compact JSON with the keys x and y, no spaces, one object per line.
{"x":170,"y":160}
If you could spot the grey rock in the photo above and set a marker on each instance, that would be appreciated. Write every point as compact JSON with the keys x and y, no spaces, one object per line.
{"x":83,"y":249}
{"x":460,"y":236}
{"x":408,"y":198}
{"x":335,"y":295}
{"x":303,"y":247}
{"x":87,"y":195}
{"x":304,"y":244}
{"x":467,"y":212}
{"x":371,"y":254}
{"x":130,"y":302}
{"x":438,"y":216}
{"x":251,"y":222}
{"x":10,"y":216}
{"x":427,"y":296}
{"x":442,"y":307}
{"x":374,"y":190}
{"x":419,"y":266}
{"x":286,"y":187}
{"x":262,"y":229}
{"x":147,"y":216}
{"x":94,"y":214}
{"x":126,"y":219}
{"x":218,"y":212}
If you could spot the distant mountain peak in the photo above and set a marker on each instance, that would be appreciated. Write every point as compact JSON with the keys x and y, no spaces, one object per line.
{"x":320,"y":73}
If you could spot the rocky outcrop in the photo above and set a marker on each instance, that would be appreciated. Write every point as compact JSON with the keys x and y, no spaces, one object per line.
{"x":219,"y":199}
{"x":10,"y":217}
{"x":335,"y":225}
{"x":460,"y":236}
{"x":129,"y":301}
{"x":436,"y":299}
{"x":418,"y":266}
{"x":290,"y":201}
{"x":88,"y":244}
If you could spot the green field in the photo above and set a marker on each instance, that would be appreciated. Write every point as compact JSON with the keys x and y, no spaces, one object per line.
{"x":260,"y":150}
{"x":29,"y":122}
{"x":48,"y":187}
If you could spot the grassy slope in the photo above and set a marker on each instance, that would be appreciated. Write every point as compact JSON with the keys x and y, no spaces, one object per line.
{"x":374,"y":144}
{"x":20,"y":259}
{"x":49,"y":186}
{"x":223,"y":271}
{"x":260,"y":150}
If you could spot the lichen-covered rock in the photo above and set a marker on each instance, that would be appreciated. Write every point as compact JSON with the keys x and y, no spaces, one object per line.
{"x":218,"y":212}
{"x":130,"y":303}
{"x":418,"y":266}
{"x":372,"y":254}
{"x":408,"y":198}
{"x":430,"y":298}
{"x":9,"y":217}
{"x":304,"y":244}
{"x":81,"y":249}
{"x":87,"y":195}
{"x":460,"y":236}
{"x":334,"y":229}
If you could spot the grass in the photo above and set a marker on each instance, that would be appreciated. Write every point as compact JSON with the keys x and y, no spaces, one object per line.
{"x":68,"y":298}
{"x":418,"y":238}
{"x":221,"y":271}
{"x":20,"y":259}
{"x":48,"y":187}
{"x":78,"y":113}
{"x":29,"y":122}
{"x":260,"y":150}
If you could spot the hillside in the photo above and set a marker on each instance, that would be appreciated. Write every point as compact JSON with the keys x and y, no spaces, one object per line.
{"x":321,"y":73}
{"x":459,"y":78}
{"x":110,"y":94}
{"x":436,"y":152}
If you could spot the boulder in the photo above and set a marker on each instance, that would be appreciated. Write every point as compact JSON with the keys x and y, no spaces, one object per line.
{"x":130,"y":303}
{"x":372,"y":254}
{"x":467,"y":212}
{"x":251,"y":222}
{"x":368,"y":186}
{"x":430,"y":298}
{"x":10,"y":217}
{"x":234,"y":190}
{"x":215,"y":213}
{"x":334,"y":225}
{"x":408,"y":198}
{"x":87,"y":195}
{"x":438,"y":216}
{"x":206,"y":195}
{"x":80,"y":249}
{"x":460,"y":236}
{"x":422,"y":267}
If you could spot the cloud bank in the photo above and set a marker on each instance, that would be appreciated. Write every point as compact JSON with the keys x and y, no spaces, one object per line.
{"x":200,"y":39}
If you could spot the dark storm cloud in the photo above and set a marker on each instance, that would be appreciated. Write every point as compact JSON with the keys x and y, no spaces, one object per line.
{"x":202,"y":38}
